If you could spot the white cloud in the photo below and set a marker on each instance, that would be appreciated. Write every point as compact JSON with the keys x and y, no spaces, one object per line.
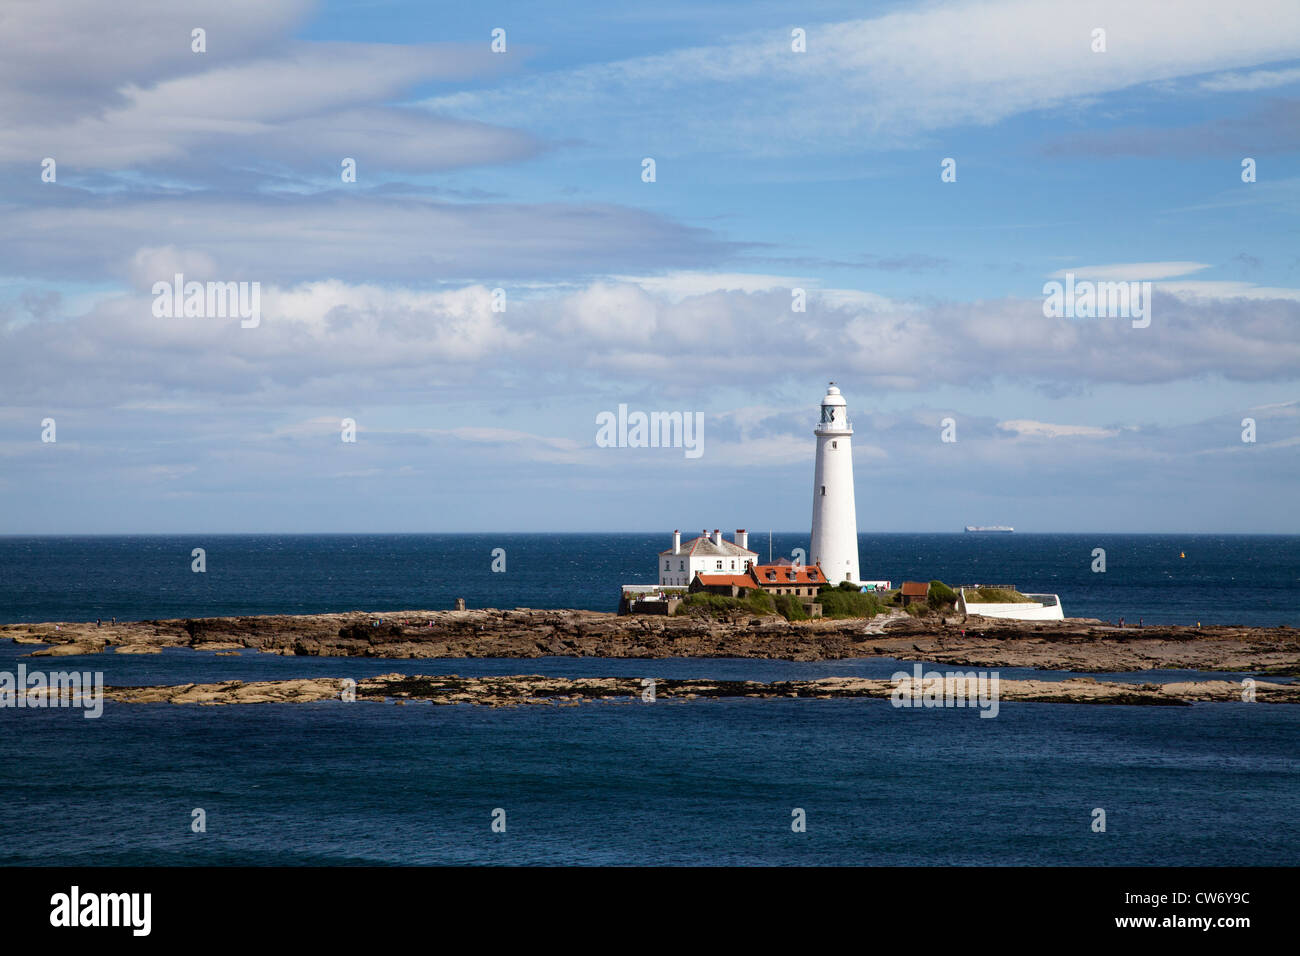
{"x":1027,"y":428}
{"x":346,"y":235}
{"x":1249,"y":82}
{"x":151,"y":264}
{"x":320,"y":341}
{"x":771,"y":451}
{"x":74,"y":57}
{"x":680,"y":285}
{"x":1131,"y":271}
{"x":606,"y":312}
{"x":858,"y":298}
{"x":114,"y":86}
{"x":886,"y":81}
{"x":1284,"y":409}
{"x":304,"y":108}
{"x":1226,"y":289}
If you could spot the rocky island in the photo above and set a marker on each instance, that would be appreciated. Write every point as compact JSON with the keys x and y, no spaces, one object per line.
{"x":516,"y":690}
{"x":1072,"y":644}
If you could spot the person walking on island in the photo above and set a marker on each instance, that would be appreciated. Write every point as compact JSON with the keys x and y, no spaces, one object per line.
{"x":1121,"y":622}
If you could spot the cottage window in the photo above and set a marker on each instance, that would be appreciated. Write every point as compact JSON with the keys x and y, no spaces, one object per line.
{"x":719,"y":565}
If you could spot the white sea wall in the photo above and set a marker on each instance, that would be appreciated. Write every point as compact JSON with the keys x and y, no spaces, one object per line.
{"x":1047,"y":607}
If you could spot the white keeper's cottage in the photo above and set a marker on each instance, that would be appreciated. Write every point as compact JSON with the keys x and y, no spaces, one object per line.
{"x":709,"y":554}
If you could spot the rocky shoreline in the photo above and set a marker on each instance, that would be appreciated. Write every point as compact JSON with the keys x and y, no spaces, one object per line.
{"x":519,"y":690}
{"x":1072,"y":644}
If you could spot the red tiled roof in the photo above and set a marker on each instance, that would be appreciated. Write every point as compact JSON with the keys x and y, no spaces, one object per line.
{"x":915,"y":589}
{"x":716,"y":580}
{"x":788,"y":574}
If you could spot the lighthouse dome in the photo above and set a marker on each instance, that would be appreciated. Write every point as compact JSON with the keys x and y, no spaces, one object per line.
{"x":833,"y":396}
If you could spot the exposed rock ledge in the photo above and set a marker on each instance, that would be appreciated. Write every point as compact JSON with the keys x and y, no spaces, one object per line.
{"x":1072,"y":644}
{"x":534,"y":689}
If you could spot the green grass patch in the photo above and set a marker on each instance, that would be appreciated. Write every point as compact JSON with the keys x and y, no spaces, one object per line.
{"x":837,"y":602}
{"x":995,"y":596}
{"x":790,"y":608}
{"x":721,"y":605}
{"x":941,"y":595}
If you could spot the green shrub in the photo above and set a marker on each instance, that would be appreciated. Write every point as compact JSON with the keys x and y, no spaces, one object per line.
{"x":845,"y":602}
{"x":995,"y":596}
{"x":790,"y":608}
{"x":940,"y":595}
{"x":721,"y":605}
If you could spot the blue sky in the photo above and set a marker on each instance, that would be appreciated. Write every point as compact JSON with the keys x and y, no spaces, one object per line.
{"x":522,"y":171}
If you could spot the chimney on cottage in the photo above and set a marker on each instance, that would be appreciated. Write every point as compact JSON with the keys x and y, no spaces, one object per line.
{"x":677,"y":541}
{"x":742,"y":538}
{"x":717,"y":537}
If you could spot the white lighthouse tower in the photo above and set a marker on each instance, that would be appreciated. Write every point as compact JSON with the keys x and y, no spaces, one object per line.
{"x":834,"y":514}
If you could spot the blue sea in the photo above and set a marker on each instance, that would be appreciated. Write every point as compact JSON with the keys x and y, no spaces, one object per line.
{"x":1223,"y":579}
{"x":688,"y":782}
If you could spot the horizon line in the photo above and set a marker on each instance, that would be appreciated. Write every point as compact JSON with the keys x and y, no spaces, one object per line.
{"x":345,"y":534}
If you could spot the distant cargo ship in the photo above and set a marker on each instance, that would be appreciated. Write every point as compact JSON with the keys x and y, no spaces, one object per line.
{"x":990,"y":529}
